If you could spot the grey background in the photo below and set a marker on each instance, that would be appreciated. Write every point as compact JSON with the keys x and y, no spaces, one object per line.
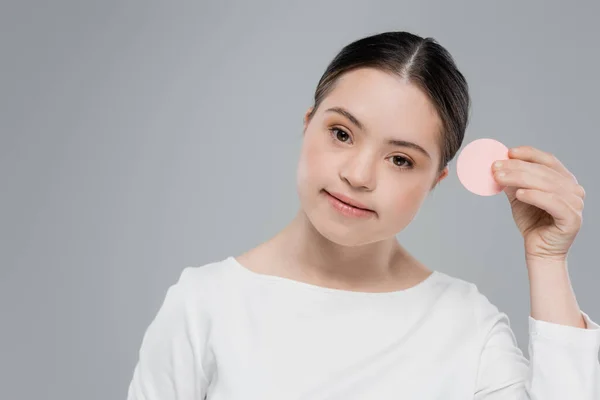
{"x":138,"y":138}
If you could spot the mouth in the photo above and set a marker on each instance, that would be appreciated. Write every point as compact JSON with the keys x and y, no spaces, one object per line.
{"x":348,"y":202}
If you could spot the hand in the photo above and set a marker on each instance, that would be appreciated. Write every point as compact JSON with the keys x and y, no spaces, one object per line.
{"x":546,"y":201}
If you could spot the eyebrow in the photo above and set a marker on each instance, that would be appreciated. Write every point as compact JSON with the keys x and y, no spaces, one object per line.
{"x":393,"y":142}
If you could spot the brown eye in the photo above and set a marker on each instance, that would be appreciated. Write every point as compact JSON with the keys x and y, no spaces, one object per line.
{"x":340,"y":135}
{"x":402,"y":162}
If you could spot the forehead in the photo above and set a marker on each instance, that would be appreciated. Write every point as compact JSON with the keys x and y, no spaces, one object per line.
{"x":388,"y":105}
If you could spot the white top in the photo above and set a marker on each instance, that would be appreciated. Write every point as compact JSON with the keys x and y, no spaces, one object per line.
{"x":225,"y":332}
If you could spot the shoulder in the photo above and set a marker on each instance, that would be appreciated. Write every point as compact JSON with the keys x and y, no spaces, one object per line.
{"x":193,"y":299}
{"x":203,"y":280}
{"x":455,"y":289}
{"x":463,"y":296}
{"x":200,"y":274}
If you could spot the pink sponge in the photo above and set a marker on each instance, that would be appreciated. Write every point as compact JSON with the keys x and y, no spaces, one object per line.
{"x":474,"y":166}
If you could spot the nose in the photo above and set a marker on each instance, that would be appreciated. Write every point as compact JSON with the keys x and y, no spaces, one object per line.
{"x":359,"y":172}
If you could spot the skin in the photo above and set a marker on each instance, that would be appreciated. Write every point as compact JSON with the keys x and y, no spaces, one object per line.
{"x":322,"y":247}
{"x":547,"y":204}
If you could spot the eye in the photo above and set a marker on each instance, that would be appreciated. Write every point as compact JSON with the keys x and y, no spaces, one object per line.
{"x":339,"y":134}
{"x":402,"y":162}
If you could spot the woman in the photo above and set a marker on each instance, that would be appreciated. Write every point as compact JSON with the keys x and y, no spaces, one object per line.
{"x":333,"y":307}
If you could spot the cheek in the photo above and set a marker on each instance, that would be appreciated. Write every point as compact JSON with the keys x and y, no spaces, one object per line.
{"x":406,"y":198}
{"x":311,"y":162}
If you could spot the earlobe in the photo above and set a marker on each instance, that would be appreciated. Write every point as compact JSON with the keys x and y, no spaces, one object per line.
{"x":306,"y":121}
{"x":442,"y":175}
{"x":445,"y":172}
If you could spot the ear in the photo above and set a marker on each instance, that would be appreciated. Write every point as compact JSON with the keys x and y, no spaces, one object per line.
{"x":306,"y":121}
{"x":442,"y":175}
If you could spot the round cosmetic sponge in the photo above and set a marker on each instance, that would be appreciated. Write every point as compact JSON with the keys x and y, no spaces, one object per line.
{"x":474,"y":166}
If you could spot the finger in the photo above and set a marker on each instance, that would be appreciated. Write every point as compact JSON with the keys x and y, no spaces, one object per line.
{"x":565,"y":217}
{"x":574,"y":201}
{"x":532,"y":154}
{"x":542,"y":177}
{"x":533,"y":179}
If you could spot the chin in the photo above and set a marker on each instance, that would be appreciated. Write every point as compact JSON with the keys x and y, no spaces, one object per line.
{"x":335,"y":231}
{"x":346,"y":239}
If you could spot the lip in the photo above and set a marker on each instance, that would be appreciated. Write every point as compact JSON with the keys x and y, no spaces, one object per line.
{"x":347,"y":210}
{"x":349,"y":201}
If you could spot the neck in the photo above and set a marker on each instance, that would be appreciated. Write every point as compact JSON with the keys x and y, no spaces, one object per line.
{"x":309,"y":254}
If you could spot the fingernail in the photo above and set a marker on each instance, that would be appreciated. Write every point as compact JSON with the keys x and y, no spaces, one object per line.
{"x":498,"y":164}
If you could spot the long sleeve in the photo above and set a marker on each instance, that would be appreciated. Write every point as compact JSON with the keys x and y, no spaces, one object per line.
{"x":563,"y":361}
{"x":170,"y":364}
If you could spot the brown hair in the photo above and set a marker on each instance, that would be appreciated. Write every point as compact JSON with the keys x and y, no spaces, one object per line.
{"x":423,"y":62}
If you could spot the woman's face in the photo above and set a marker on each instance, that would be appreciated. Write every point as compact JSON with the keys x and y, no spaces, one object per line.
{"x":339,"y":156}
